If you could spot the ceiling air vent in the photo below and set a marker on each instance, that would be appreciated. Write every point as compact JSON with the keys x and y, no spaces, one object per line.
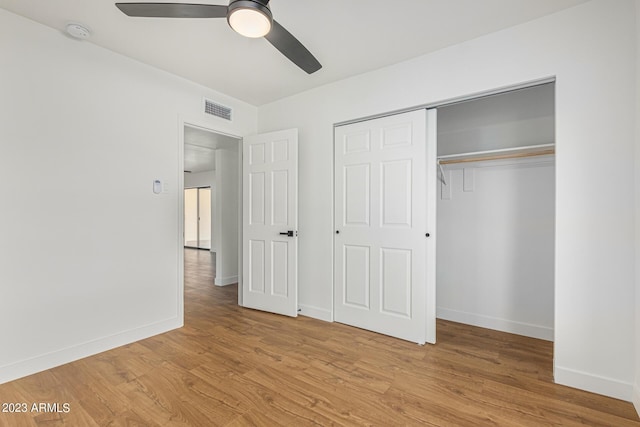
{"x":215,"y":109}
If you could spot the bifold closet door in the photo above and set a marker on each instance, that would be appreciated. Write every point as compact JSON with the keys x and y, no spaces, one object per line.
{"x":384,"y":275}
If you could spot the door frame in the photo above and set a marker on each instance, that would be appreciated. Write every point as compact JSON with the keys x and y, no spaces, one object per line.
{"x":200,"y":124}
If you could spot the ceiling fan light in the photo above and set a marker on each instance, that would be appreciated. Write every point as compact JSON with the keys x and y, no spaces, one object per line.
{"x":249,"y":18}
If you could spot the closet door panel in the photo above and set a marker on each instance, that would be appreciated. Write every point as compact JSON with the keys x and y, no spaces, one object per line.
{"x":396,"y":193}
{"x":356,"y":276}
{"x":396,"y":283}
{"x":357,"y":207}
{"x":380,"y":215}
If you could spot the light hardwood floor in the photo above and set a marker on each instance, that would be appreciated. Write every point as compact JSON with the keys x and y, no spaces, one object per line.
{"x":234,"y":367}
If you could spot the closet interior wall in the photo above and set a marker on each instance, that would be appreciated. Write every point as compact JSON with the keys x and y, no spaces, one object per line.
{"x":496,"y":212}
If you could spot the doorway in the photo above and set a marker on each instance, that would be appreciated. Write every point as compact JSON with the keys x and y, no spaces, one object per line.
{"x":197,"y":218}
{"x":211,"y":199}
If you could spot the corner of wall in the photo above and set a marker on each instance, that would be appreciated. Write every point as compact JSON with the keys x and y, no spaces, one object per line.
{"x":56,"y":358}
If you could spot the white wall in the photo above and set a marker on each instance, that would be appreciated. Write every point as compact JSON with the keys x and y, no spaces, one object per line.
{"x":590,"y":50}
{"x":495,"y":246}
{"x":636,"y":395}
{"x":83,"y":134}
{"x":227,"y":215}
{"x":205,"y":179}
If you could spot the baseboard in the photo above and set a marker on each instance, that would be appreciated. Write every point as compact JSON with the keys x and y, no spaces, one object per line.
{"x":225,"y":281}
{"x":636,"y":398}
{"x":315,"y":312}
{"x":593,"y":383}
{"x":504,"y":325}
{"x":50,"y":360}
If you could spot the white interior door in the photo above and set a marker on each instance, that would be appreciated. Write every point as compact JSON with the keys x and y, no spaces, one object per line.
{"x":270,"y":222}
{"x":384,"y":272}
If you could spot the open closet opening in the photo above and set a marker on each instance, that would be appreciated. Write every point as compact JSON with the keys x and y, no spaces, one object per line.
{"x":496,"y":212}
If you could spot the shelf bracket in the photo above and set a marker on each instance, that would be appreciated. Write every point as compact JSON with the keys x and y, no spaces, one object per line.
{"x":442,"y":173}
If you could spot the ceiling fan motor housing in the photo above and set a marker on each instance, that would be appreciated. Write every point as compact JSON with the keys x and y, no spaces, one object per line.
{"x":250,"y":18}
{"x":262,"y":2}
{"x":260,"y":5}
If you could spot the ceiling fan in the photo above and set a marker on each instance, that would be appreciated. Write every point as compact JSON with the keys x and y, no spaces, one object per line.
{"x":250,"y":18}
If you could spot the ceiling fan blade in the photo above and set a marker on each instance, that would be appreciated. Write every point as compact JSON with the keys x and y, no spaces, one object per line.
{"x":173,"y":10}
{"x":290,"y":47}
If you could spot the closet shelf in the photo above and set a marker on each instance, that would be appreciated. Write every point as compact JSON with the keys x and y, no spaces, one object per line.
{"x":505,"y":153}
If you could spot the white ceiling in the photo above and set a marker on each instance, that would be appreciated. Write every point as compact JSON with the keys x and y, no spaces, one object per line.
{"x":348,"y":37}
{"x":200,"y":148}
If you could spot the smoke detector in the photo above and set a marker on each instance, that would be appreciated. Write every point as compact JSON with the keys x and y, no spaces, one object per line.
{"x":78,"y":31}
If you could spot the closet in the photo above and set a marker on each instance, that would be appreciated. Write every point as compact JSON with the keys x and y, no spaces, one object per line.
{"x":496,"y":212}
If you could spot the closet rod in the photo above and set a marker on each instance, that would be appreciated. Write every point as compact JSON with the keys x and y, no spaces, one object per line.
{"x":499,"y":157}
{"x":521,"y":149}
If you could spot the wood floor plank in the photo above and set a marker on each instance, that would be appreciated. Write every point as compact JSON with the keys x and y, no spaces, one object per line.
{"x":230,"y":366}
{"x":77,"y":416}
{"x":254,"y":418}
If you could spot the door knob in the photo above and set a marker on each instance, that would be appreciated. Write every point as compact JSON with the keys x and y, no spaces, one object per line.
{"x":288,"y":233}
